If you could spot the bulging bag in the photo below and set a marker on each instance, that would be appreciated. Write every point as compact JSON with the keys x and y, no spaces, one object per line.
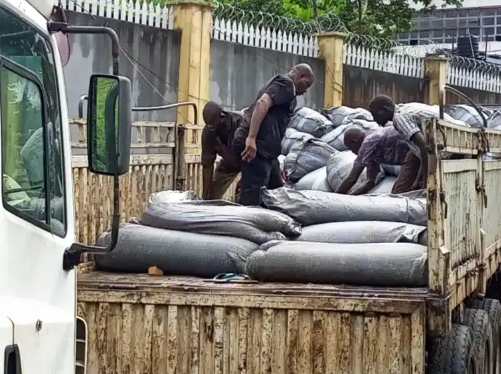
{"x":339,"y":166}
{"x":305,"y":157}
{"x":362,"y":123}
{"x":374,"y":264}
{"x":311,"y":122}
{"x":384,"y":187}
{"x":393,"y":170}
{"x":335,"y":138}
{"x":314,"y":207}
{"x":223,"y":218}
{"x":175,"y":252}
{"x":356,"y":232}
{"x":316,"y":180}
{"x":292,"y":137}
{"x":342,"y":114}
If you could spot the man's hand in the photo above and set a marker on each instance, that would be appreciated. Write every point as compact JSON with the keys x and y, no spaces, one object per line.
{"x":250,"y":149}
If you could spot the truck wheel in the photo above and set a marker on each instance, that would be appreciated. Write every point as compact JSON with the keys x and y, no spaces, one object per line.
{"x":483,"y":347}
{"x":453,"y":354}
{"x":493,"y":309}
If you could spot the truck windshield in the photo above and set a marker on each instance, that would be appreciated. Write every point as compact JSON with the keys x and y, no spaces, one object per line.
{"x":32,"y":147}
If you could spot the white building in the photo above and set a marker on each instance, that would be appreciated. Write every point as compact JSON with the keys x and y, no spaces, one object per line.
{"x":481,"y":18}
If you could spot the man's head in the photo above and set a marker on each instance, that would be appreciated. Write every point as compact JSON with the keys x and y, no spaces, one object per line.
{"x":303,"y":78}
{"x":213,"y":116}
{"x":353,"y":138}
{"x":382,"y":108}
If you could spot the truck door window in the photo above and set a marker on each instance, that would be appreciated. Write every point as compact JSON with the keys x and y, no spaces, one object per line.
{"x":32,"y":157}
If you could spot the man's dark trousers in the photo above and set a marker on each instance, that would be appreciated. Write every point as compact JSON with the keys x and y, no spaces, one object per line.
{"x":260,"y":172}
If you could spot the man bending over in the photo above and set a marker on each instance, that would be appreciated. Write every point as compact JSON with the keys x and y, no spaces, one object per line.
{"x":408,"y":123}
{"x":373,"y":148}
{"x":217,"y":137}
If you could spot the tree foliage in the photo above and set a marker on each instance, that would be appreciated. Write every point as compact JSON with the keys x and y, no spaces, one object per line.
{"x":381,"y":18}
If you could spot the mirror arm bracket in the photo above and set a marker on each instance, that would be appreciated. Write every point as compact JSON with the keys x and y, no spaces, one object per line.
{"x":73,"y":255}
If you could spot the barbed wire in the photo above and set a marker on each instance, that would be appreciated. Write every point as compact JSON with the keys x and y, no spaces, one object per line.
{"x":323,"y":23}
{"x":330,"y":22}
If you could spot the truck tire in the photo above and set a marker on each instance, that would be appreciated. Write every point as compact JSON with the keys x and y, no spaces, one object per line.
{"x":493,"y":309}
{"x":483,"y":346}
{"x":453,"y":354}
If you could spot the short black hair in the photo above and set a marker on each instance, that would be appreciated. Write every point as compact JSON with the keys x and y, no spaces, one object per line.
{"x":380,"y":102}
{"x":211,"y":108}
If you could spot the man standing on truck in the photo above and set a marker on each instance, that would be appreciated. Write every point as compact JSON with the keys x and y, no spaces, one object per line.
{"x":217,"y":137}
{"x":258,"y":140}
{"x":407,"y":121}
{"x":374,"y":148}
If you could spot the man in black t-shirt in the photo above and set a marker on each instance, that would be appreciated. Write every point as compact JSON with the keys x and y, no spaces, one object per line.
{"x":258,"y":139}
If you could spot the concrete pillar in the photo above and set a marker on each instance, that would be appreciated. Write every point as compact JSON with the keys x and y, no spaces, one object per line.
{"x":330,"y":47}
{"x":436,"y":72}
{"x":194,"y":19}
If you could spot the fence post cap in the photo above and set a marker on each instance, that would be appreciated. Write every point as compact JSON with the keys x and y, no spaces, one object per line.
{"x":195,"y":3}
{"x":332,"y":34}
{"x":438,"y":58}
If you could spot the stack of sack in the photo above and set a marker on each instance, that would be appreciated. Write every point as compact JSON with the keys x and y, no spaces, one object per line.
{"x":183,"y":235}
{"x":306,"y":233}
{"x":301,"y":236}
{"x":313,"y":152}
{"x":376,"y":240}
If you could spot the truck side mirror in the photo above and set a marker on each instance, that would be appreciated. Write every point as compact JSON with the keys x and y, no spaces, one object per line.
{"x":109,"y":124}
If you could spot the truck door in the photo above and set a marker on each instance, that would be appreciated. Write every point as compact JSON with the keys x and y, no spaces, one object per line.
{"x":36,"y":211}
{"x":6,"y":342}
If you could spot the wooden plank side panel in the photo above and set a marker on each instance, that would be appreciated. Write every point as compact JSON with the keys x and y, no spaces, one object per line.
{"x":461,"y":225}
{"x":491,"y":217}
{"x":142,"y":338}
{"x":94,"y":194}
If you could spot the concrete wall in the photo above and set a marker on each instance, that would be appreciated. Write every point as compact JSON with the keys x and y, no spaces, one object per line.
{"x":362,"y":85}
{"x":238,"y":72}
{"x":156,"y":49}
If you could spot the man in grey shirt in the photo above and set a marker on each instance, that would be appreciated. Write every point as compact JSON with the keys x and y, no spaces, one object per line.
{"x":407,"y":121}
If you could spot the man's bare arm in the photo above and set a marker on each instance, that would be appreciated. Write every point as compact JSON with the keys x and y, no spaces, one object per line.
{"x":364,"y":188}
{"x":207,"y":174}
{"x":208,"y":159}
{"x":263,"y":104}
{"x":419,"y":140}
{"x":351,"y":179}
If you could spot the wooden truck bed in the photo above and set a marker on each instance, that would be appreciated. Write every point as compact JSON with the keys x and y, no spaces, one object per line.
{"x":161,"y":324}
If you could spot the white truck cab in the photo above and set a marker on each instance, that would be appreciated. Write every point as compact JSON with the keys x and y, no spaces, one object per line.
{"x":37,"y":249}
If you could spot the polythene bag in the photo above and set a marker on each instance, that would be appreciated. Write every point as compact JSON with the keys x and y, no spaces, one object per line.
{"x":305,"y":157}
{"x":335,"y":138}
{"x":339,"y":166}
{"x":292,"y":137}
{"x":316,"y":180}
{"x":357,"y":232}
{"x":174,"y":252}
{"x":384,"y":187}
{"x":311,"y":122}
{"x":393,"y":170}
{"x":371,"y":264}
{"x":218,"y":217}
{"x":314,"y":207}
{"x":342,"y":114}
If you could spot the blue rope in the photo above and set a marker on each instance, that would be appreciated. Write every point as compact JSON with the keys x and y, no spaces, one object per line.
{"x":231,"y":276}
